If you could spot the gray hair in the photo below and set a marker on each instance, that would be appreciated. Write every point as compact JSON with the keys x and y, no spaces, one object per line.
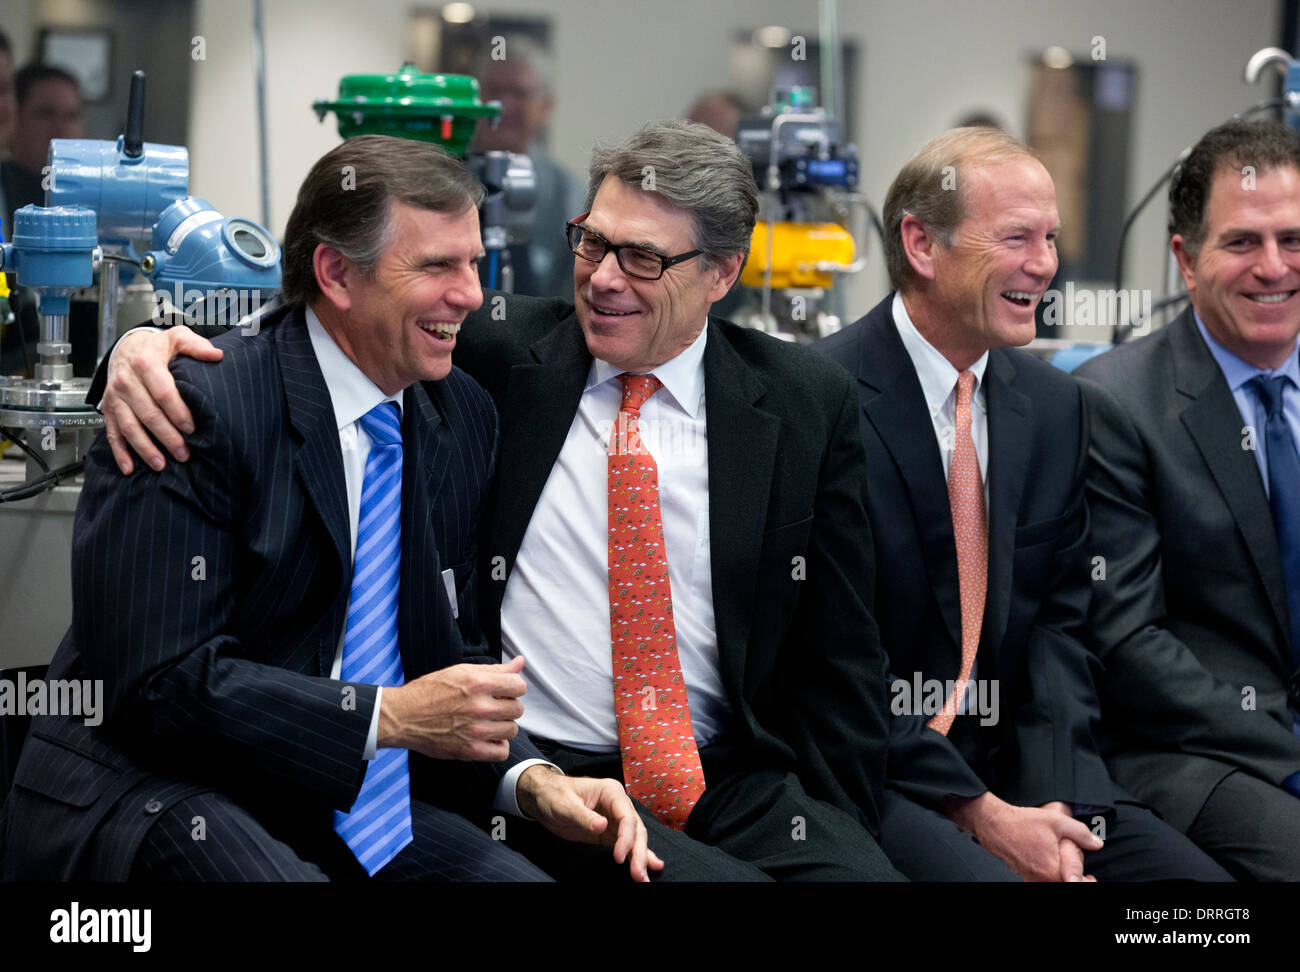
{"x":695,"y":169}
{"x":922,"y":189}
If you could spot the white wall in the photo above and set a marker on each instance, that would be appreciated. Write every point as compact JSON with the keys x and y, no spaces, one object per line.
{"x":17,"y":23}
{"x":620,"y":63}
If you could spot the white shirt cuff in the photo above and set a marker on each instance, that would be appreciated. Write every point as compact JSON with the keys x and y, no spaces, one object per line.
{"x":506,"y":798}
{"x":372,"y":737}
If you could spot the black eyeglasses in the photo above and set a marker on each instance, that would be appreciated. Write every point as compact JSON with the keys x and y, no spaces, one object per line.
{"x":636,"y":261}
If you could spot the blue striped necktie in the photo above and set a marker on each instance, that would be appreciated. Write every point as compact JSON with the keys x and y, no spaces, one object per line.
{"x":379,"y":825}
{"x":1283,"y":492}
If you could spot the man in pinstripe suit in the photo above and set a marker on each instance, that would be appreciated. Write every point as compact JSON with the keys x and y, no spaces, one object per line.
{"x":758,"y":473}
{"x":213,"y":597}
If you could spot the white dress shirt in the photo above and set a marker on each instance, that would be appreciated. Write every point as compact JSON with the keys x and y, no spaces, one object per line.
{"x":1238,"y":373}
{"x":352,"y":394}
{"x":555,"y":610}
{"x":939,"y":385}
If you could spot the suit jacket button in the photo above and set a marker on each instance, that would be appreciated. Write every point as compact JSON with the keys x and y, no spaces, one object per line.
{"x":153,"y":806}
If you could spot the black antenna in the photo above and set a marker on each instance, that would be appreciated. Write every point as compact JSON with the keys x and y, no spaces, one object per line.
{"x":133,"y":140}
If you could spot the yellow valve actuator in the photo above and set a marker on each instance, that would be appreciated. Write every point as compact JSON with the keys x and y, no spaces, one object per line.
{"x":796,"y":249}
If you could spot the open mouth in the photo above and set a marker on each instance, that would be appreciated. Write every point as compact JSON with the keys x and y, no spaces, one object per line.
{"x":1275,"y":298}
{"x":439,"y":330}
{"x":610,"y":313}
{"x":1021,"y":298}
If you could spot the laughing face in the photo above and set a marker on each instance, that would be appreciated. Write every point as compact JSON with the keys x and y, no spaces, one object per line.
{"x":634,"y":324}
{"x":1245,"y":278}
{"x":400,"y":326}
{"x":1002,"y":259}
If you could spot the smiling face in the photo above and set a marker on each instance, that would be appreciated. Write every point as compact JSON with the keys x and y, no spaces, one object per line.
{"x":983,"y":288}
{"x":400,"y":327}
{"x":634,"y":324}
{"x":1244,"y":280}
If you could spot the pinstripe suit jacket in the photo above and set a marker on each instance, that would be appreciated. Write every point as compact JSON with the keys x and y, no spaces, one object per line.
{"x":210,"y":598}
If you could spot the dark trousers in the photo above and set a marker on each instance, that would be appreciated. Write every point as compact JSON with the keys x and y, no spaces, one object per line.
{"x":927,"y":846}
{"x":1252,"y":828}
{"x":751,"y":824}
{"x":235,"y":846}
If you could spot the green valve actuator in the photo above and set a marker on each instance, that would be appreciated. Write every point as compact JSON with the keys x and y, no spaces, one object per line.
{"x":441,"y":108}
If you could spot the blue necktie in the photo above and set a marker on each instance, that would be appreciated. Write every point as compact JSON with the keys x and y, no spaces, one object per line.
{"x":1283,"y":493}
{"x":379,"y":825}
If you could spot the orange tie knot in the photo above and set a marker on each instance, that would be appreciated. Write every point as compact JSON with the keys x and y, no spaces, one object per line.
{"x":637,"y":389}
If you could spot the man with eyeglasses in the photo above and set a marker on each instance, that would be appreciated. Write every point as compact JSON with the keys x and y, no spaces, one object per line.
{"x":677,"y":544}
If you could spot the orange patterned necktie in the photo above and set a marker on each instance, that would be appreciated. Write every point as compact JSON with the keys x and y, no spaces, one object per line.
{"x":970,"y":529}
{"x":661,"y":763}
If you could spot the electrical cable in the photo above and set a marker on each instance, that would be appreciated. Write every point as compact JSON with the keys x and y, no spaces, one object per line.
{"x":35,"y":456}
{"x":40,"y":484}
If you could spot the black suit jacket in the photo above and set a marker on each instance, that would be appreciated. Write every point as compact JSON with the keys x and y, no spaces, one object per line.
{"x":1191,"y":620}
{"x":1032,"y":640}
{"x":790,"y":543}
{"x":216,"y":671}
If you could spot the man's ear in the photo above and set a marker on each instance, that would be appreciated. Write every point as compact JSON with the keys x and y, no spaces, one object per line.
{"x":728,"y":270}
{"x":920,"y":245}
{"x":1186,"y":262}
{"x":334,"y":275}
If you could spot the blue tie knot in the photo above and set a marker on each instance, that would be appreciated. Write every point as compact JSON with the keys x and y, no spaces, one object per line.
{"x":1269,"y":389}
{"x":383,"y":424}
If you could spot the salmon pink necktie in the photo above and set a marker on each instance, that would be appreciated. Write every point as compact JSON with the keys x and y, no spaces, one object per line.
{"x":661,"y":763}
{"x":970,"y":529}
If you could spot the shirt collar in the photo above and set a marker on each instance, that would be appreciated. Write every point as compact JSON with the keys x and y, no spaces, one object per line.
{"x":938,"y":376}
{"x":682,"y":376}
{"x":1237,"y":370}
{"x":351,"y":392}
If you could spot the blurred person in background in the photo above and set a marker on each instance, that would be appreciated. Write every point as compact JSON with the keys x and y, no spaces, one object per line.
{"x":522,"y":82}
{"x":48,"y":105}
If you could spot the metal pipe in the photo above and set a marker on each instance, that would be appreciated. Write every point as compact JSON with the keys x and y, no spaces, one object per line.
{"x":1267,"y":57}
{"x":108,"y":295}
{"x":778,"y":122}
{"x":259,"y":73}
{"x":829,"y":42}
{"x":54,"y":329}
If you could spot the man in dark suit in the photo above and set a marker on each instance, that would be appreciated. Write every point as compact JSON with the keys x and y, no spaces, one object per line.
{"x":1195,"y":496}
{"x":976,"y":456}
{"x":740,"y":692}
{"x":285,"y":624}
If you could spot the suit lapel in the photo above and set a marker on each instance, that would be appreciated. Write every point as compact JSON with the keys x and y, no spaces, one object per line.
{"x":897,"y":412}
{"x":426,"y":455}
{"x":541,"y":399}
{"x":1009,"y":421}
{"x":318,"y":458}
{"x":1214,"y":423}
{"x":742,"y":442}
